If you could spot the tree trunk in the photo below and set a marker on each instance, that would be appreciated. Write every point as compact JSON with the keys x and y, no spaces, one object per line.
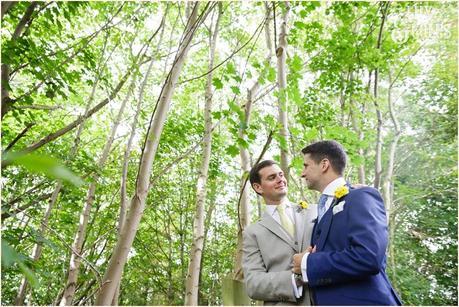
{"x":281,"y":54}
{"x":119,"y":256}
{"x":5,"y":74}
{"x":36,"y":252}
{"x":127,"y":152}
{"x":6,"y":6}
{"x":84,"y":217}
{"x":388,"y":184}
{"x":194,"y":266}
{"x":379,"y":141}
{"x":362,"y":173}
{"x":244,"y":211}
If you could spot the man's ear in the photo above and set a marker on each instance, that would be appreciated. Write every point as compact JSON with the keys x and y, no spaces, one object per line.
{"x":325,"y":165}
{"x":257,"y":187}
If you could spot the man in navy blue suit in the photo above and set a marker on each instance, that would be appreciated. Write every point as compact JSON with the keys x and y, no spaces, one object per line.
{"x":345,"y":264}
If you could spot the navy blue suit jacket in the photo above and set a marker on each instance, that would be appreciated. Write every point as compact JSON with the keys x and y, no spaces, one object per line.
{"x":348,"y":267}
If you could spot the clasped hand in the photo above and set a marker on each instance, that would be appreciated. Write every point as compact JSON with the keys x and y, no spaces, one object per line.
{"x":298,"y":257}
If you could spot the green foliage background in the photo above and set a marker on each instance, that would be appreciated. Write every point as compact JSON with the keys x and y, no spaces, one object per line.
{"x":67,"y":47}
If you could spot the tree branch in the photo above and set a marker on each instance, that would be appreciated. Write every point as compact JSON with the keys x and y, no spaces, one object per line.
{"x":18,"y":137}
{"x":265,"y":148}
{"x":228,"y":58}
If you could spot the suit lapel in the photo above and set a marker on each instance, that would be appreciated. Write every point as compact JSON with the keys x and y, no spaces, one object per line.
{"x":308,"y":217}
{"x":325,"y":223}
{"x":270,"y":223}
{"x":300,"y":222}
{"x":324,"y":226}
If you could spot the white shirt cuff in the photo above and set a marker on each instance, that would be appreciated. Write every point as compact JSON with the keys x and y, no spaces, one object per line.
{"x":304,"y":262}
{"x":297,"y":291}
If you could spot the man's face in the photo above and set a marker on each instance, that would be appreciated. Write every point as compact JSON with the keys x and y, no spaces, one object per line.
{"x":273,"y":185}
{"x":312,"y":172}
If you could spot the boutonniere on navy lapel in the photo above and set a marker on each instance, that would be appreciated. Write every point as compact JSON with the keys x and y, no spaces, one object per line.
{"x":338,"y":205}
{"x":341,"y":192}
{"x":301,"y":206}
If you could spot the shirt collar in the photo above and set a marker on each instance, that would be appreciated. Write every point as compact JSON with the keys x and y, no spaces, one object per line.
{"x":332,"y":186}
{"x":272,"y":208}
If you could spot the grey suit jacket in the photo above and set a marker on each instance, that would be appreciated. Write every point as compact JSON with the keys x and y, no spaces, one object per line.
{"x":267,"y":258}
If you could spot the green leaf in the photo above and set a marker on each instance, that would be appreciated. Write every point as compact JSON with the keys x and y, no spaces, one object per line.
{"x":232,"y":150}
{"x":235,"y":90}
{"x":297,"y":63}
{"x":10,"y":256}
{"x":237,"y":78}
{"x":297,"y":163}
{"x":217,"y":83}
{"x":243,"y":143}
{"x":271,"y":74}
{"x":48,"y":166}
{"x":217,"y":115}
{"x":299,"y":25}
{"x":230,"y":68}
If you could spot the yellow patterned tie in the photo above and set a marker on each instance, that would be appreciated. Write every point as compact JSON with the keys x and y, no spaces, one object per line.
{"x":285,"y":220}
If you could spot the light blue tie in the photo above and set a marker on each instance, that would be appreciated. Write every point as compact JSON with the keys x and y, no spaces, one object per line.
{"x":321,"y":207}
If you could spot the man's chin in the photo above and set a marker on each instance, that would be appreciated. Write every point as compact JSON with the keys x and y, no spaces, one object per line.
{"x":283,"y":193}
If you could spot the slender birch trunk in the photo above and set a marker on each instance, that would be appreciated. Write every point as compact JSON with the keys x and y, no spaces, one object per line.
{"x":388,"y":183}
{"x":194,"y":266}
{"x":124,"y":173}
{"x":84,"y":216}
{"x":244,"y":212}
{"x":357,"y":125}
{"x":361,"y":151}
{"x":36,"y":252}
{"x":281,"y":54}
{"x":124,"y":243}
{"x":379,"y":140}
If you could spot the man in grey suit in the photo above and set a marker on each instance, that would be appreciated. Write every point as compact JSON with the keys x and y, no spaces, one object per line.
{"x":269,"y":244}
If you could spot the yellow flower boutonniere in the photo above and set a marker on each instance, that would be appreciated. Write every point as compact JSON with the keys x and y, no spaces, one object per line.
{"x":303,"y":204}
{"x":341,"y":191}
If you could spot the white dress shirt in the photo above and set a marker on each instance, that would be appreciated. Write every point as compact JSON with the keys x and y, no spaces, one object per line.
{"x":330,"y":192}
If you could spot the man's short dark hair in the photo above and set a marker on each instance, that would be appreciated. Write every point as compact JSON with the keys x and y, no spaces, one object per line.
{"x":331,"y":150}
{"x":254,"y":175}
